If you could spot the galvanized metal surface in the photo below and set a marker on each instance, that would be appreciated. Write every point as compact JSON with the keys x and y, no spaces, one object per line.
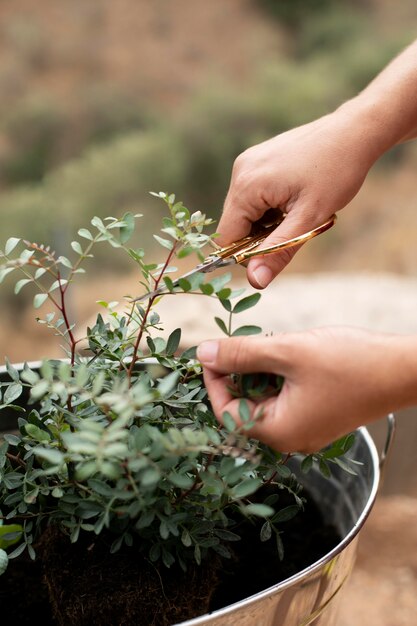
{"x":311,"y":596}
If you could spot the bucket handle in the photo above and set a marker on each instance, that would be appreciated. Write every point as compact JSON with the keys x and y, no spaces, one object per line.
{"x":391,"y":425}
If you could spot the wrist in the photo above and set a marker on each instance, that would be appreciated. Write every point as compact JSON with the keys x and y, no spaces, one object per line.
{"x":374,"y":130}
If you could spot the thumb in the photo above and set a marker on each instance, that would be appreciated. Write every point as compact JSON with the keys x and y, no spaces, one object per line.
{"x":242,"y":355}
{"x":263,"y":269}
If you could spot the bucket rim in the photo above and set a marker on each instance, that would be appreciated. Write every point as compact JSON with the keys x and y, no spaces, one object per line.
{"x":299,"y":577}
{"x":306,"y":572}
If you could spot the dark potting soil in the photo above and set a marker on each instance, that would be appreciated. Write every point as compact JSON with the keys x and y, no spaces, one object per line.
{"x":254,"y":567}
{"x":306,"y":538}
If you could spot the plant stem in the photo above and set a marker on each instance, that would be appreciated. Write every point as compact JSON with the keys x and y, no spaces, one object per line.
{"x":147,"y":311}
{"x":63,"y":310}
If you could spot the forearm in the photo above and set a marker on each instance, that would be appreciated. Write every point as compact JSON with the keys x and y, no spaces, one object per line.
{"x":386,"y":110}
{"x":403,"y":375}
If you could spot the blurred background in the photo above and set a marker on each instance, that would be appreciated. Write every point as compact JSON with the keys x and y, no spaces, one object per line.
{"x":103,"y":101}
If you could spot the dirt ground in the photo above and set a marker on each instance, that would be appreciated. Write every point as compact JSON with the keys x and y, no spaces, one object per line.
{"x":382,"y":590}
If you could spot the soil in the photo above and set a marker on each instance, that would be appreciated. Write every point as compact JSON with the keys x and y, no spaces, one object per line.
{"x":75,"y":577}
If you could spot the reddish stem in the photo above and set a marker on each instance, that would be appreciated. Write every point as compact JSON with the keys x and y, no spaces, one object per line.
{"x":145,"y":317}
{"x":72,"y":339}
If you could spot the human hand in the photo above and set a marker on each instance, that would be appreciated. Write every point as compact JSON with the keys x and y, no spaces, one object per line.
{"x":309,"y":172}
{"x":336,"y":379}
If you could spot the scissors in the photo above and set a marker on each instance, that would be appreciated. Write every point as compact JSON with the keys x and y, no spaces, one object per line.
{"x":243,"y":250}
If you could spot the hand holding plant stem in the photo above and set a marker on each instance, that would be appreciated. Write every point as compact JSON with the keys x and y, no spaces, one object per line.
{"x":335,"y":379}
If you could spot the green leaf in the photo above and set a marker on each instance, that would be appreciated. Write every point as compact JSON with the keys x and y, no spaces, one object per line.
{"x":226,"y":304}
{"x":226,"y":535}
{"x":64,"y":261}
{"x":4,"y":271}
{"x":324,"y":468}
{"x":246,"y":303}
{"x":98,"y":223}
{"x":173,"y":341}
{"x":150,"y":477}
{"x":184,"y":252}
{"x":244,"y":410}
{"x":307,"y":464}
{"x":57,"y":283}
{"x":11,"y":245}
{"x":168,"y":383}
{"x":145,"y":520}
{"x":12,"y":371}
{"x":128,"y":227}
{"x":82,"y":376}
{"x":51,"y":455}
{"x":12,"y":392}
{"x":246,"y":488}
{"x":39,"y":272}
{"x":285,"y":514}
{"x":195,"y":280}
{"x":207,"y":289}
{"x":186,"y":538}
{"x":180,"y":480}
{"x":228,"y":421}
{"x":39,"y":390}
{"x":4,"y":561}
{"x":190,"y":353}
{"x":37,"y":433}
{"x":166,"y":243}
{"x":247,"y":330}
{"x":220,"y":281}
{"x":260,"y":510}
{"x":29,"y":376}
{"x":76,"y":247}
{"x":197,"y":554}
{"x":39,"y":299}
{"x":169,"y":283}
{"x":21,"y":283}
{"x":224,"y":294}
{"x":266,"y":531}
{"x":85,"y":233}
{"x":345,"y":467}
{"x":220,"y":323}
{"x":184,"y":284}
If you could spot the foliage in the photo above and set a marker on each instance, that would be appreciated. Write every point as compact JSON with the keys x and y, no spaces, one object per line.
{"x":106,"y":445}
{"x":108,"y":149}
{"x":293,"y":13}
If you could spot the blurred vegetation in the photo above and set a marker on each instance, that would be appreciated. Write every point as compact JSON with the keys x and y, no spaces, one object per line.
{"x":102,"y":152}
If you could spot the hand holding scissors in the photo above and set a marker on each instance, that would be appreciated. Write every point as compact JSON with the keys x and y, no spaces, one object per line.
{"x":244,"y":249}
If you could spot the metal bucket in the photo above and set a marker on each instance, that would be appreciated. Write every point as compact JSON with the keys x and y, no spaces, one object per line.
{"x":311,"y":596}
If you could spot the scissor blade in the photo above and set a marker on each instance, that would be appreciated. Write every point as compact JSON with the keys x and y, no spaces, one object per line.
{"x":210,"y":264}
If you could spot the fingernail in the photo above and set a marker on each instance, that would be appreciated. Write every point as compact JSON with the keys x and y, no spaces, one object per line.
{"x":263,"y":275}
{"x":207,"y":352}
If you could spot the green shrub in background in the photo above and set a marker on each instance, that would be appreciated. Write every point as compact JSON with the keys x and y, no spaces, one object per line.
{"x":194,"y":150}
{"x":33,"y":130}
{"x":109,"y":151}
{"x":42,"y":133}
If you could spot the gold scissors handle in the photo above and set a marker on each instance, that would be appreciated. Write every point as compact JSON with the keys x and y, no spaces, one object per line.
{"x":247,"y":247}
{"x":244,"y":249}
